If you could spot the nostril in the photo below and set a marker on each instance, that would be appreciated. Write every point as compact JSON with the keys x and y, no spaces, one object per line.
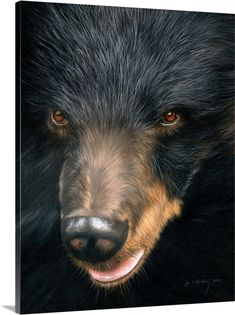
{"x":104,"y":245}
{"x":78,"y":244}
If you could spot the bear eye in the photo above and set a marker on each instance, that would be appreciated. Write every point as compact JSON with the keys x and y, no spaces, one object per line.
{"x":58,"y":118}
{"x":170,"y":118}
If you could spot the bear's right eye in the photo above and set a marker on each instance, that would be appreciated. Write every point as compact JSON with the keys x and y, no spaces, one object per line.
{"x":58,"y":118}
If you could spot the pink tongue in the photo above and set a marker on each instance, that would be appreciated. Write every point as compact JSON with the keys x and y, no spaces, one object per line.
{"x":122,"y":270}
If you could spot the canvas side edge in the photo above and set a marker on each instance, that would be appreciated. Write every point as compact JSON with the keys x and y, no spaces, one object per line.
{"x":18,"y":156}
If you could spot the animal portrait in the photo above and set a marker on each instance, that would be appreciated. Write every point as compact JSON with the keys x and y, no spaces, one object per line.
{"x":124,"y":157}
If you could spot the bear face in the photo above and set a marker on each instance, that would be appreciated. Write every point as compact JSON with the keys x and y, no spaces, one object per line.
{"x":122,"y":110}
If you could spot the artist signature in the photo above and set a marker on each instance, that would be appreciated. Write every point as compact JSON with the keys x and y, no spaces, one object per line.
{"x":207,"y":283}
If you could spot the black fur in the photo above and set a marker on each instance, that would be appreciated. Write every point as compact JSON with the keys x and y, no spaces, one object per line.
{"x":131,"y":65}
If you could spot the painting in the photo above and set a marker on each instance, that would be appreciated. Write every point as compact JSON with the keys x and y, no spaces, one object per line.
{"x":124,"y":157}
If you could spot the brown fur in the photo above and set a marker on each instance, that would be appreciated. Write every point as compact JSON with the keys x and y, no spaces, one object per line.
{"x":114,"y":171}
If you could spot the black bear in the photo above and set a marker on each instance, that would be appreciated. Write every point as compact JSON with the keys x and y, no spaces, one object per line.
{"x":125,"y":157}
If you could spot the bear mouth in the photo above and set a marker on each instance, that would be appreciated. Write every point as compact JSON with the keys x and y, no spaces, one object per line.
{"x":119,"y":272}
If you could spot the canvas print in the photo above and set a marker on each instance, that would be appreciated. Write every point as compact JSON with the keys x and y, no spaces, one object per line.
{"x":124,"y":157}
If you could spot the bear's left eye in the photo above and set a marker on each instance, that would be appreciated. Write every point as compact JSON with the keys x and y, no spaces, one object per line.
{"x":170,"y":118}
{"x":58,"y":118}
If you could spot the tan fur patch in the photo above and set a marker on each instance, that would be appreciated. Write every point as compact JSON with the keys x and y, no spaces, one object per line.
{"x":158,"y":211}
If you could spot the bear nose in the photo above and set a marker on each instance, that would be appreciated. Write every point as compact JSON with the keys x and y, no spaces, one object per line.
{"x":93,"y":239}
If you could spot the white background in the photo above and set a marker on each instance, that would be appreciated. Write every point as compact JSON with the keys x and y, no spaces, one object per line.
{"x":7,"y":131}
